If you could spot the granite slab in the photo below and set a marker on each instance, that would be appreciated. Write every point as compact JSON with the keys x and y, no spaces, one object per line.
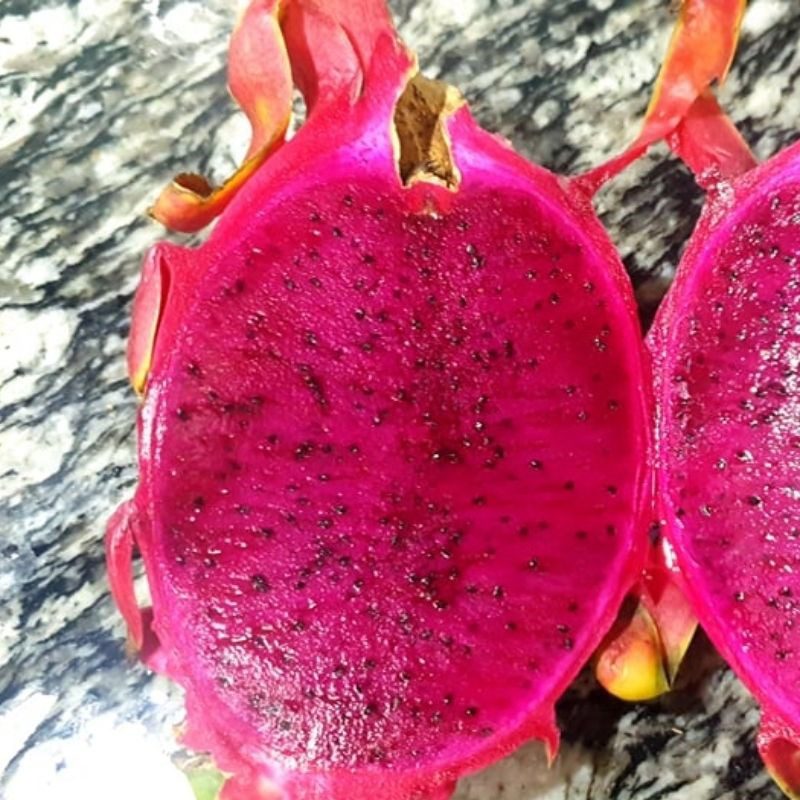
{"x":101,"y":101}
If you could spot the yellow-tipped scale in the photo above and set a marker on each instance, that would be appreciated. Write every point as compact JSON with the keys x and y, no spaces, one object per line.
{"x":630,"y":663}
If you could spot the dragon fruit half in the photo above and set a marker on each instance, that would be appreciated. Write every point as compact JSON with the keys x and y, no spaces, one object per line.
{"x":394,"y":439}
{"x":726,"y":352}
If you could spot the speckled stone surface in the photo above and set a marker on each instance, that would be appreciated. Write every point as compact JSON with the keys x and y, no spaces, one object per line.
{"x":102,"y":101}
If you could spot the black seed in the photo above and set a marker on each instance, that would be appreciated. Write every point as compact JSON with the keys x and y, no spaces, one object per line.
{"x":259,"y":583}
{"x":446,"y":455}
{"x":533,"y":564}
{"x":182,"y":414}
{"x":471,"y":711}
{"x":303,"y":450}
{"x":498,"y":592}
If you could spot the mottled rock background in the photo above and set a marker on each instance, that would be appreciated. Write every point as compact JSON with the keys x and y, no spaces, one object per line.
{"x":102,"y":101}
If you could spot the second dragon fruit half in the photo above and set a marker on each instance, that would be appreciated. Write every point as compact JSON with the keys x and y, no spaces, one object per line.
{"x":726,"y":353}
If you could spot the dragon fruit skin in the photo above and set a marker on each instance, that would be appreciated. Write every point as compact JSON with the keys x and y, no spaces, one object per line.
{"x":393,"y":443}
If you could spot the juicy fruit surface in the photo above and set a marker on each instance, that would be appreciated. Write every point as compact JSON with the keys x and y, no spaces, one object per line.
{"x":732,"y":439}
{"x":395,"y":472}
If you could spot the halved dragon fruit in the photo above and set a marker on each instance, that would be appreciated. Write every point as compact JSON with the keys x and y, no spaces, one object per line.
{"x":394,"y":435}
{"x":726,"y":348}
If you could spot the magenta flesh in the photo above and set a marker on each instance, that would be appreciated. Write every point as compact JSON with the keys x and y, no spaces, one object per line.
{"x":396,"y":477}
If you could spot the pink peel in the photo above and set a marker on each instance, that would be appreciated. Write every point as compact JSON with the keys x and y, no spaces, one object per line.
{"x":260,"y":83}
{"x":700,"y":54}
{"x":119,"y":544}
{"x":710,"y":145}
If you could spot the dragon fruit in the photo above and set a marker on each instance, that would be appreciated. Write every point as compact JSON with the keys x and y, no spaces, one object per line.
{"x":394,"y":438}
{"x":726,"y":351}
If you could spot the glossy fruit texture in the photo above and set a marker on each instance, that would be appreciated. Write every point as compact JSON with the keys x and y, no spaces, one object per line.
{"x":394,"y":435}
